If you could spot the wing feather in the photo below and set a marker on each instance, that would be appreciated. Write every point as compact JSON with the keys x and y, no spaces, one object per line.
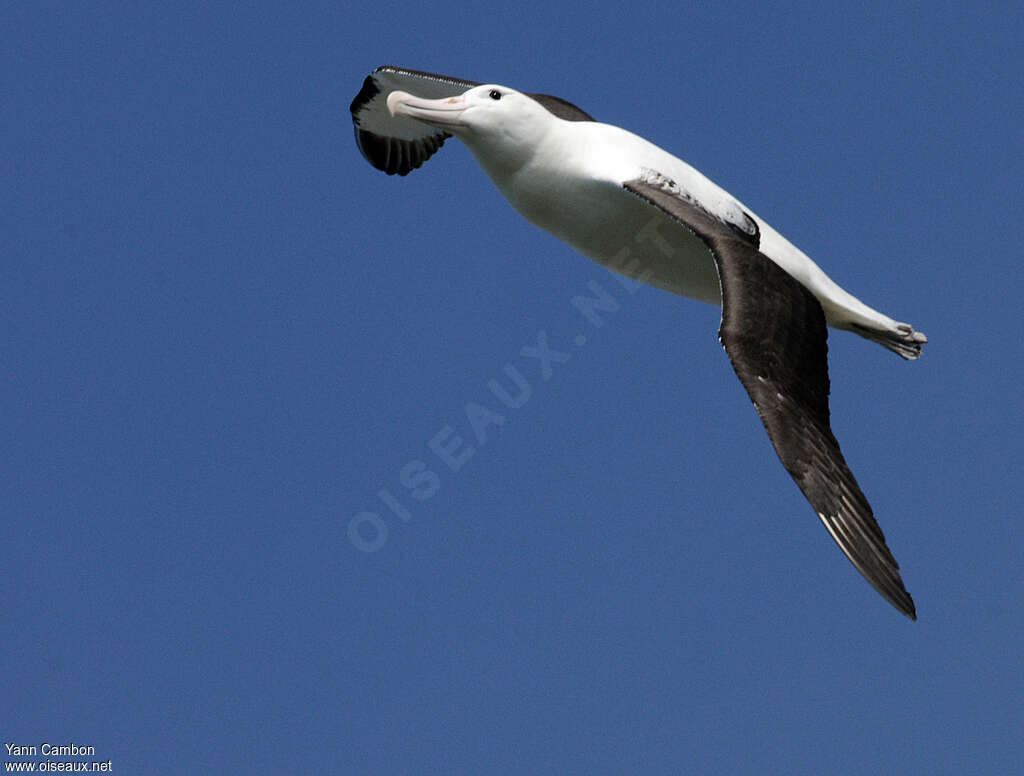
{"x":774,"y":332}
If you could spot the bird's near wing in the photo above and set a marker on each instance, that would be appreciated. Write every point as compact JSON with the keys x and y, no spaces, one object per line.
{"x":399,"y":145}
{"x":774,"y":331}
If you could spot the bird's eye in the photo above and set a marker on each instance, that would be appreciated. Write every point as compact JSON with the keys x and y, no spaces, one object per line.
{"x":494,"y":94}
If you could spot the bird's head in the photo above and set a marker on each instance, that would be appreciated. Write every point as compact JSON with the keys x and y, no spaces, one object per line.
{"x":500,"y":126}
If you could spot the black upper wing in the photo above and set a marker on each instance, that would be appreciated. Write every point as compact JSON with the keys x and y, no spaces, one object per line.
{"x":397,"y":144}
{"x":774,"y":331}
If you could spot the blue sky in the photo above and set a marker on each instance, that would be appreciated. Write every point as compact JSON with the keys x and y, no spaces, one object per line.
{"x":224,"y":334}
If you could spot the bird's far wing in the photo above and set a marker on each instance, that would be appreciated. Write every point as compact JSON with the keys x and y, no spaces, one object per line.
{"x":774,"y":331}
{"x":562,"y":108}
{"x":398,"y":144}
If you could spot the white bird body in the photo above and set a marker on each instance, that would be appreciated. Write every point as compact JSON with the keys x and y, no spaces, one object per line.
{"x":572,"y":188}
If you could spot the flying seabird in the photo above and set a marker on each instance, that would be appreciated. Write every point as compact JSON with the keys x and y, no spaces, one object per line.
{"x":635,"y":208}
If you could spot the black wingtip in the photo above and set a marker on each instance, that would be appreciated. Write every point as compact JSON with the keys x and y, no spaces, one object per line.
{"x":900,"y":600}
{"x":367,"y":93}
{"x":907,"y":607}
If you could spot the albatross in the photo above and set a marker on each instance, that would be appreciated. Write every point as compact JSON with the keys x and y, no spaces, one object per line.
{"x":640,"y":211}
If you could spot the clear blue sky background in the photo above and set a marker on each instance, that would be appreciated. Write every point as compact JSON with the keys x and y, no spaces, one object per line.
{"x":223,"y":333}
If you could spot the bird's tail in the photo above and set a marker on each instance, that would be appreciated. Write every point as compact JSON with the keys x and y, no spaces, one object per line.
{"x":902,"y":340}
